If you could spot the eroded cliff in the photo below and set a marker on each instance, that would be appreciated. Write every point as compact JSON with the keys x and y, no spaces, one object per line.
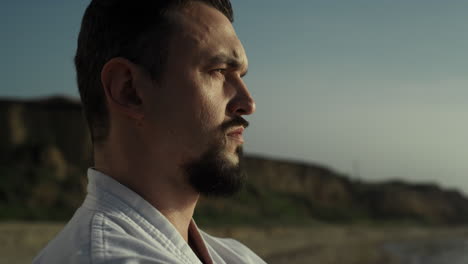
{"x":45,"y":150}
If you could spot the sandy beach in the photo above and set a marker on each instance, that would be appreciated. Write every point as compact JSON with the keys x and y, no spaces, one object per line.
{"x":324,"y":244}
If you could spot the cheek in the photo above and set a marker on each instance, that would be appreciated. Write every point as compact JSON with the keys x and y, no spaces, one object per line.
{"x":210,"y":105}
{"x":212,"y":110}
{"x":194,"y":106}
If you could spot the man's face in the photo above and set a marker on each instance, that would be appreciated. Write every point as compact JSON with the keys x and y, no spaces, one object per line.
{"x":197,"y":104}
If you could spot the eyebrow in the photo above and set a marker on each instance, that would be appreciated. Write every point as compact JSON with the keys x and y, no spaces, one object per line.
{"x":230,"y":61}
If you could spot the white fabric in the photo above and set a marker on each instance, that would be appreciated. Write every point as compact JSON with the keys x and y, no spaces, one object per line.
{"x":115,"y":225}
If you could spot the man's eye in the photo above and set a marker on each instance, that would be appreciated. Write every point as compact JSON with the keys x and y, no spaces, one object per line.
{"x":221,"y":71}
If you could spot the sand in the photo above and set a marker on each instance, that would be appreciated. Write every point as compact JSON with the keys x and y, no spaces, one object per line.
{"x":321,"y":243}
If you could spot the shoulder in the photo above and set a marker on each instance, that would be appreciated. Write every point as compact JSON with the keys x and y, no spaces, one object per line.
{"x":71,"y":244}
{"x":88,"y":235}
{"x":232,"y":250}
{"x":103,"y":237}
{"x":116,"y":238}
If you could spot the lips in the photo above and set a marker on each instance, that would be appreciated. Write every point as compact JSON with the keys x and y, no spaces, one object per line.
{"x":236,"y":134}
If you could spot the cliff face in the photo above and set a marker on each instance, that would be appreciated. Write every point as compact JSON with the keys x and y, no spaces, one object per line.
{"x":45,"y":150}
{"x":49,"y":123}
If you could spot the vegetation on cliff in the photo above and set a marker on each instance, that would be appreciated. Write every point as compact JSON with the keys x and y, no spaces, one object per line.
{"x":45,"y":150}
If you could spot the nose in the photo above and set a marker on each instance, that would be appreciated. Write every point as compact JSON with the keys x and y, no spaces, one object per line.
{"x":243,"y":102}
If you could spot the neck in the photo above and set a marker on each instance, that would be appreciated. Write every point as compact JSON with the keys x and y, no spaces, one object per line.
{"x":161,"y":184}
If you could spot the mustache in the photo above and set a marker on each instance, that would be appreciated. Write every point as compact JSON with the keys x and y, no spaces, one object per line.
{"x":236,"y":121}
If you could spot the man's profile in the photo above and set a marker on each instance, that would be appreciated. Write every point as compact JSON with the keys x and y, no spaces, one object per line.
{"x":162,"y":91}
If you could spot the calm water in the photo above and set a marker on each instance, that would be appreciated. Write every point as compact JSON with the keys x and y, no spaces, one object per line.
{"x":444,"y":251}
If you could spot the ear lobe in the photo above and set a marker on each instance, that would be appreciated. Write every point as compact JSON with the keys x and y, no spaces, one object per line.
{"x":118,"y":82}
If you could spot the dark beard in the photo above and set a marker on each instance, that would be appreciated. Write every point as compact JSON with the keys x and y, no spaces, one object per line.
{"x":213,"y":175}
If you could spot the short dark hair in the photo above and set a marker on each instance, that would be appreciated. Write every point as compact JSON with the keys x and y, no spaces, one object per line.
{"x":138,"y":30}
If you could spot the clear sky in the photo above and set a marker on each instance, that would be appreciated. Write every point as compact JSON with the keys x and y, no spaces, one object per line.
{"x":374,"y":88}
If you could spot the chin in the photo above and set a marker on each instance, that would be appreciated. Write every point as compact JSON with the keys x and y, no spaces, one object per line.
{"x":217,"y":173}
{"x":232,"y":157}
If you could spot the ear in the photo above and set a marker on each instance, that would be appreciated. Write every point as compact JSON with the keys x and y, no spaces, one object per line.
{"x":118,"y":77}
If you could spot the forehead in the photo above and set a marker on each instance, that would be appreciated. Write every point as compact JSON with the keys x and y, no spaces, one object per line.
{"x":203,"y":32}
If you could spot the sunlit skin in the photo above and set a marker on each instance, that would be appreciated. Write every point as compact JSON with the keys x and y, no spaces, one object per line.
{"x":157,"y":126}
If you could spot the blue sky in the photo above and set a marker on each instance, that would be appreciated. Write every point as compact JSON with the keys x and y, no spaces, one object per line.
{"x":373,"y":88}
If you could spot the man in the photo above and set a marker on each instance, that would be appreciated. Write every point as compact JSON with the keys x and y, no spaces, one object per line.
{"x":161,"y":86}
